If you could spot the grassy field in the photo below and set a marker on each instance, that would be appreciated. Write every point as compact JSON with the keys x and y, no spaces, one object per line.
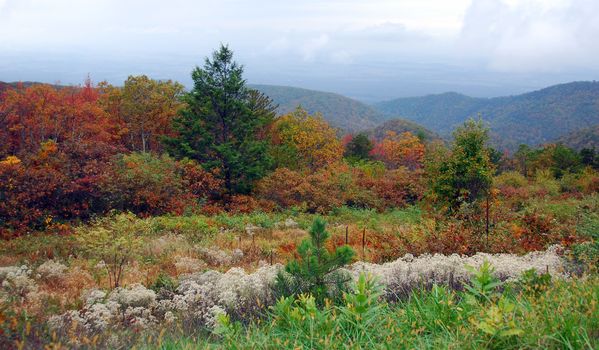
{"x":58,"y":290}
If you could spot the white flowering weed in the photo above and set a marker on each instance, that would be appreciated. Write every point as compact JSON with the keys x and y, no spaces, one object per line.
{"x":51,"y":271}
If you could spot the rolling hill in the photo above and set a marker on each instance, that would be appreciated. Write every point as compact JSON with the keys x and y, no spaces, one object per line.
{"x":583,"y":138}
{"x":341,"y":112}
{"x":532,"y":118}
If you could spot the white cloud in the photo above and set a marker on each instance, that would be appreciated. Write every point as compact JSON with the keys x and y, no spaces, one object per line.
{"x":533,"y":35}
{"x":311,"y":47}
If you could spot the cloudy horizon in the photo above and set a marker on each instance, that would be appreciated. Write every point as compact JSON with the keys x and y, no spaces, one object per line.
{"x":372,"y":50}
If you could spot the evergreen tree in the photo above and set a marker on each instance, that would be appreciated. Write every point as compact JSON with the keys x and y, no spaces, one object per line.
{"x":222,"y":123}
{"x":589,"y":157}
{"x":317,"y":270}
{"x":565,"y":160}
{"x":359,"y":147}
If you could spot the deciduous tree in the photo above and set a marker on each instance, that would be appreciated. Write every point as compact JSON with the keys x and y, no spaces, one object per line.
{"x":395,"y":150}
{"x":304,"y":141}
{"x":465,"y":174}
{"x":146,"y":108}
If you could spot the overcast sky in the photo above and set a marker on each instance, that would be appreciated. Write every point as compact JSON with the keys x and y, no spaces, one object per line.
{"x":368,"y":49}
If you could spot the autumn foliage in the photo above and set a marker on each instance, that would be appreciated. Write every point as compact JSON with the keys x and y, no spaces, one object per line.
{"x":56,"y":145}
{"x":144,"y":108}
{"x":340,"y":184}
{"x":304,"y":141}
{"x":64,"y":156}
{"x":396,"y":151}
{"x":72,"y":153}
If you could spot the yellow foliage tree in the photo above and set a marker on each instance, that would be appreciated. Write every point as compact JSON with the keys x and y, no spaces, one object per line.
{"x":146,"y":107}
{"x":304,"y":141}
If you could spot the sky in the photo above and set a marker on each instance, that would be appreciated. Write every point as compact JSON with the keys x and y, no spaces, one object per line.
{"x":367,"y":49}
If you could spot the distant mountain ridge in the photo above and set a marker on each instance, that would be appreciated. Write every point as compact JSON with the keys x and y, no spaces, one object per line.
{"x":341,"y":112}
{"x":583,"y":138}
{"x":532,"y":118}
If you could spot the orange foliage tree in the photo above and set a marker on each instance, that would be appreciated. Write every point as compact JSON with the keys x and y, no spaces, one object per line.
{"x":69,"y":116}
{"x":314,"y":192}
{"x":395,"y":151}
{"x":339,"y":184}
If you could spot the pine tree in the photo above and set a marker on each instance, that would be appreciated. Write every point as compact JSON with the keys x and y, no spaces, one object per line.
{"x":359,"y":148}
{"x":317,"y":270}
{"x":222,"y":124}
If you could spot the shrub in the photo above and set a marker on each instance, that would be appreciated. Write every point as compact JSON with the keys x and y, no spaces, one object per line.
{"x":43,"y":190}
{"x":147,"y":184}
{"x":569,"y":183}
{"x":283,"y":187}
{"x":587,"y":253}
{"x":588,"y":181}
{"x":194,"y":228}
{"x":545,"y":183}
{"x":242,"y":204}
{"x":115,"y":241}
{"x":318,"y":192}
{"x":510,"y":178}
{"x":404,"y":150}
{"x":144,"y":184}
{"x":391,"y":189}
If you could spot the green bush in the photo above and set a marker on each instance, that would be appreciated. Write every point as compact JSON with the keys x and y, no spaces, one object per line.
{"x":510,"y":178}
{"x":164,"y":282}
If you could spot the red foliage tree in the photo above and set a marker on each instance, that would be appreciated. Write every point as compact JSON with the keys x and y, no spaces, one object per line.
{"x":63,"y":141}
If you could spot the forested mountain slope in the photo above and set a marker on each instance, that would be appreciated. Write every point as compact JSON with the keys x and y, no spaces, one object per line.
{"x":342,"y":112}
{"x":532,"y":118}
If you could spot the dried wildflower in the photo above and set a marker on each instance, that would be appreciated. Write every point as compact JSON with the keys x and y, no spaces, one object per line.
{"x":51,"y":271}
{"x":219,"y":257}
{"x":135,"y":295}
{"x":185,"y":264}
{"x":16,"y":282}
{"x":404,"y":274}
{"x":93,"y":296}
